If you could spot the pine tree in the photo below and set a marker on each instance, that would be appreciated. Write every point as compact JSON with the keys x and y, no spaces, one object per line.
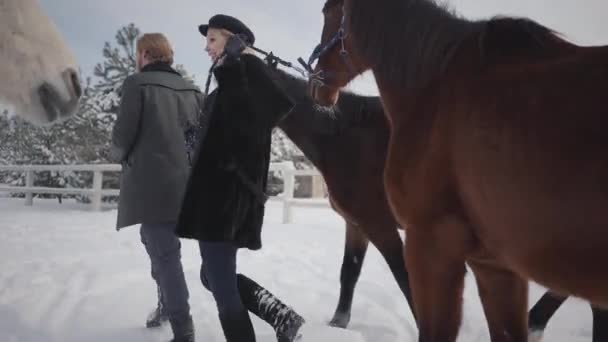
{"x":5,"y":131}
{"x":119,"y":60}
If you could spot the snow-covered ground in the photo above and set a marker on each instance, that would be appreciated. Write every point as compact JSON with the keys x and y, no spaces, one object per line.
{"x":66,"y":275}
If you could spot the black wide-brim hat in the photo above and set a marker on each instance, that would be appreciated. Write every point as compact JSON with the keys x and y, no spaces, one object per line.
{"x":232,"y":24}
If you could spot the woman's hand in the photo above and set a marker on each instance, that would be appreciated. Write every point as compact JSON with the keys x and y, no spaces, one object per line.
{"x":235,"y":45}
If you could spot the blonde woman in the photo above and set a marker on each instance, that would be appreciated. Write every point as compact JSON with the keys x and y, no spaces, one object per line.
{"x":157,"y":107}
{"x":224,"y":204}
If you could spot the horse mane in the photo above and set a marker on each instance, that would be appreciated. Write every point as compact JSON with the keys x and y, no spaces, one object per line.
{"x":407,"y":42}
{"x":351,"y":111}
{"x":411,"y":42}
{"x":331,"y":3}
{"x":508,"y":38}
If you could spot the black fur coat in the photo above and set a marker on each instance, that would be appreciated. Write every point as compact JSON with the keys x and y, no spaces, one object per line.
{"x":225,"y":196}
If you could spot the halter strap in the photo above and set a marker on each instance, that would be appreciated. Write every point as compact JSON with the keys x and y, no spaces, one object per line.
{"x":321,"y":77}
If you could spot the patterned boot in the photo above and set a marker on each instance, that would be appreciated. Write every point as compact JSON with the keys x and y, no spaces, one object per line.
{"x":259,"y":301}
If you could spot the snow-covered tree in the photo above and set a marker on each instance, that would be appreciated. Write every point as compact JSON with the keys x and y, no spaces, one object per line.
{"x":283,"y":149}
{"x":119,"y":60}
{"x":82,"y":139}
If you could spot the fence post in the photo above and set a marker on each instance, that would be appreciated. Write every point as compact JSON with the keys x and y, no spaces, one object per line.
{"x":318,"y":190}
{"x":29,"y":182}
{"x":288,"y":188}
{"x":97,"y":185}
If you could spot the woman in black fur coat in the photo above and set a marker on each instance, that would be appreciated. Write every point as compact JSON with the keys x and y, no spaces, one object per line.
{"x":223,"y":207}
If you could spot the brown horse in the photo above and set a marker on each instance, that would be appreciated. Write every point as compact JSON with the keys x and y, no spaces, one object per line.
{"x":496,"y":156}
{"x":349,"y":147}
{"x":355,"y":137}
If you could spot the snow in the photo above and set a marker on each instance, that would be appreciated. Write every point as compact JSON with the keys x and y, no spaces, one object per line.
{"x":316,"y":333}
{"x":67,"y":275}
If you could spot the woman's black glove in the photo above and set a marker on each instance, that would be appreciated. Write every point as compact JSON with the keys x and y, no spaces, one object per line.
{"x":234,"y":46}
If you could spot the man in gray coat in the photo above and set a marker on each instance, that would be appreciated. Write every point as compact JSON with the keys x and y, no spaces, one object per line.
{"x":159,"y":111}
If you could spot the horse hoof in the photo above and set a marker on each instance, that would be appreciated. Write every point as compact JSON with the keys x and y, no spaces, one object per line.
{"x":535,"y":336}
{"x":340,"y":321}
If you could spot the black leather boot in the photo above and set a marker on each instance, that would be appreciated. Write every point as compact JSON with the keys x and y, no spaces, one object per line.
{"x":183,"y":330}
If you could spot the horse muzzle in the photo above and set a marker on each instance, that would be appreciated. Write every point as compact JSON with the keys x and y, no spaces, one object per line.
{"x":55,"y":106}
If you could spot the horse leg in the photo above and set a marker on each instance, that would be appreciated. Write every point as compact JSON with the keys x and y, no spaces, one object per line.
{"x":541,"y":313}
{"x":355,"y":248}
{"x":435,"y":258}
{"x":546,"y":307}
{"x":389,"y":244}
{"x":600,"y":324}
{"x":504,"y":296}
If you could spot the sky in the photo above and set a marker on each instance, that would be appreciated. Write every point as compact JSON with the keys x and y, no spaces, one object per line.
{"x":289,"y":28}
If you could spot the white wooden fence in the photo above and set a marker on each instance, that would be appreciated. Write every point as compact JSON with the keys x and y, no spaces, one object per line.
{"x":97,"y":192}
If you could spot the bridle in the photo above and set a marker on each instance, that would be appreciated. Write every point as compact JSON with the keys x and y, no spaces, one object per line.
{"x":270,"y":58}
{"x":322,"y":76}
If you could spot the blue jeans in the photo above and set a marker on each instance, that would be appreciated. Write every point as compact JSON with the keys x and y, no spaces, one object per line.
{"x":218,"y":274}
{"x":164,"y":249}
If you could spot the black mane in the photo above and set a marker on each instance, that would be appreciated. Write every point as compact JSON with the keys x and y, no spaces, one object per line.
{"x":351,"y":111}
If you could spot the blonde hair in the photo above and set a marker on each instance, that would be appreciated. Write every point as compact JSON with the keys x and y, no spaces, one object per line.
{"x":156,"y":47}
{"x":226,"y":34}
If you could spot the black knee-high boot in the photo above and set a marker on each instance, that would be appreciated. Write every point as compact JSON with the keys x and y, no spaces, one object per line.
{"x":259,"y":301}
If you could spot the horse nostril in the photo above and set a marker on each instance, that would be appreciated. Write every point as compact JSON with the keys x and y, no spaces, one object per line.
{"x":48,"y":95}
{"x":72,"y":79}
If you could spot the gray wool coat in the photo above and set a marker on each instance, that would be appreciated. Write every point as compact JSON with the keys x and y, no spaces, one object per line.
{"x":148,"y":140}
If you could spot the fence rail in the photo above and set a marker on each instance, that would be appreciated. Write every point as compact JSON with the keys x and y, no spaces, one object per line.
{"x":97,"y":192}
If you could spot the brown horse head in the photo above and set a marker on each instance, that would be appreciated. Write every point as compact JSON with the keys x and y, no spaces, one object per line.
{"x":337,"y":63}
